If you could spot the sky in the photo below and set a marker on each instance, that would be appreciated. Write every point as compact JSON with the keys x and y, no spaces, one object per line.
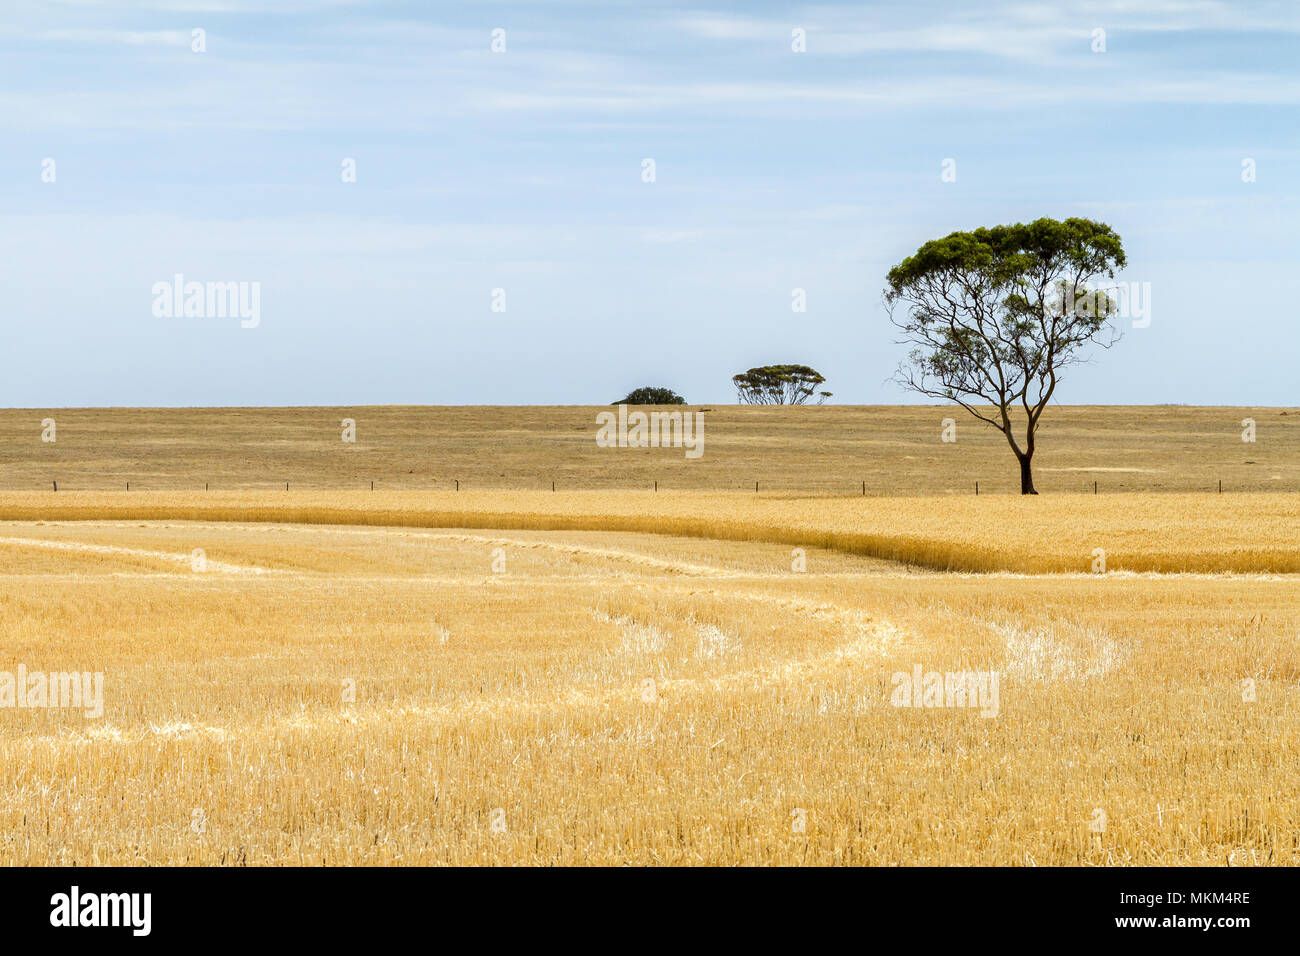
{"x":502,"y":241}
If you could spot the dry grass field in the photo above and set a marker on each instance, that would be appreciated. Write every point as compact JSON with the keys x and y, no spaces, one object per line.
{"x":895,"y":450}
{"x":331,"y":675}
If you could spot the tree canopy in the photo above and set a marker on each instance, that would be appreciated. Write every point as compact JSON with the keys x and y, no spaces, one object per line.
{"x":779,"y":385}
{"x":651,"y":395}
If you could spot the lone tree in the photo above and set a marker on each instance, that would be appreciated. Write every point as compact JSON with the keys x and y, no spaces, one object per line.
{"x":994,"y":315}
{"x":779,"y":385}
{"x":650,"y":395}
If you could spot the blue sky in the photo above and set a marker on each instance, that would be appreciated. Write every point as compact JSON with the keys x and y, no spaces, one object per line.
{"x":522,"y":170}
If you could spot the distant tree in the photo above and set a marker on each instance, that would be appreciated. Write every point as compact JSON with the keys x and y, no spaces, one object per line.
{"x":779,"y":385}
{"x":995,"y":314}
{"x":649,"y":395}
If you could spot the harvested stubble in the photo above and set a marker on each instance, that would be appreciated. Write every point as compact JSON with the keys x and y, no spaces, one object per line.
{"x":519,"y":698}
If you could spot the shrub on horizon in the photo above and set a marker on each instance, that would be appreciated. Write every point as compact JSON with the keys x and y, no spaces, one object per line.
{"x":651,"y":395}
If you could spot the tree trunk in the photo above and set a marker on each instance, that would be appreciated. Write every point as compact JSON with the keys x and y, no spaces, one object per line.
{"x":1026,"y":475}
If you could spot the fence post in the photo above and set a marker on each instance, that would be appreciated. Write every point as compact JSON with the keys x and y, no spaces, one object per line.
{"x":56,"y":486}
{"x":977,"y":489}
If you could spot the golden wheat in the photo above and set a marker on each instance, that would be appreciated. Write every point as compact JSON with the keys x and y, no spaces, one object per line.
{"x":1247,"y":533}
{"x":542,"y":697}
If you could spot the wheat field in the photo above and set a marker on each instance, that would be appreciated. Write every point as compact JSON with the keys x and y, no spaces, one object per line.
{"x":892,"y":450}
{"x":684,"y":677}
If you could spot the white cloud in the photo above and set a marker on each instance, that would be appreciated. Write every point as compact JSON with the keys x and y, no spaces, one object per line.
{"x":1025,"y":32}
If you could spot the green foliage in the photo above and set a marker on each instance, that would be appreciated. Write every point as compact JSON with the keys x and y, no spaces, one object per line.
{"x":779,"y":385}
{"x":651,"y":395}
{"x":1006,"y":255}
